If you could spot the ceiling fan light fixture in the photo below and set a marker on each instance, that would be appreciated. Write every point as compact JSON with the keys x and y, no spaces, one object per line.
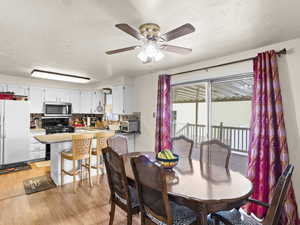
{"x":150,"y":52}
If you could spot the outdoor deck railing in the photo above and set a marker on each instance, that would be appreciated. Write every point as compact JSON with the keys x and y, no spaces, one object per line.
{"x":236,"y":137}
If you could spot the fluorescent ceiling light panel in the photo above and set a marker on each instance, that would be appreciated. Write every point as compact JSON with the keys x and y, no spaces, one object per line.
{"x":59,"y":76}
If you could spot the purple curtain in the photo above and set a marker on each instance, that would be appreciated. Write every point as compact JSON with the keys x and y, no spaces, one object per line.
{"x":163,"y":114}
{"x":268,"y":150}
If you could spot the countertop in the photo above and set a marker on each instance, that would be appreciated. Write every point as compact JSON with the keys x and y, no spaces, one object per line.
{"x":67,"y":137}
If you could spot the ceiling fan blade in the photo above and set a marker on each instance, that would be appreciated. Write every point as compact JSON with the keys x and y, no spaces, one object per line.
{"x":178,"y":32}
{"x":121,"y":50}
{"x":176,"y":49}
{"x":129,"y":30}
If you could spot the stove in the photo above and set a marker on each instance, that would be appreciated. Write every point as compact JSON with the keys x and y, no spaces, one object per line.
{"x":54,"y":126}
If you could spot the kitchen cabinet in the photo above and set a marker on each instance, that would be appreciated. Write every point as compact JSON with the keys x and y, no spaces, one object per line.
{"x":121,"y":99}
{"x":18,"y":89}
{"x":75,"y":100}
{"x":57,"y":95}
{"x":36,"y":99}
{"x":3,"y":87}
{"x":86,"y":99}
{"x":36,"y":150}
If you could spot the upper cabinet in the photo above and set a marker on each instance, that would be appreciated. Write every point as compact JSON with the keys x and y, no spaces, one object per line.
{"x":121,"y":99}
{"x":18,"y":89}
{"x":3,"y":87}
{"x":75,"y":100}
{"x":36,"y":99}
{"x":57,"y":95}
{"x":86,"y":99}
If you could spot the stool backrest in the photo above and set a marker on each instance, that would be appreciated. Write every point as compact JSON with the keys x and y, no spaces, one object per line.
{"x":102,"y":139}
{"x":82,"y":145}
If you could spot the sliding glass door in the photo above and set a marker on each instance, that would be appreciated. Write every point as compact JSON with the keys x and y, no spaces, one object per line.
{"x":214,"y":109}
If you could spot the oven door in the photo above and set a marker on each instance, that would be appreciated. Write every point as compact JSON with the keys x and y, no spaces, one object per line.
{"x":56,"y":109}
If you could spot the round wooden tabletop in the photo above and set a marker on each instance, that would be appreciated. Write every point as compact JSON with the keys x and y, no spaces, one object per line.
{"x":202,"y":182}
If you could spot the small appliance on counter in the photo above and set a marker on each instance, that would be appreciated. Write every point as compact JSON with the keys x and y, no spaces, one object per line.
{"x":129,"y":126}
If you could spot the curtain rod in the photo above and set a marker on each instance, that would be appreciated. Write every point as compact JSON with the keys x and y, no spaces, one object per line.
{"x":279,"y":53}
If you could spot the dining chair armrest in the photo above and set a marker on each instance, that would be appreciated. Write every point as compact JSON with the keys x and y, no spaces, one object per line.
{"x":218,"y":218}
{"x":258,"y":202}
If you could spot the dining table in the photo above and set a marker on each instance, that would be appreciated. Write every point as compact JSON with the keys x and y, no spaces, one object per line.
{"x":202,"y":186}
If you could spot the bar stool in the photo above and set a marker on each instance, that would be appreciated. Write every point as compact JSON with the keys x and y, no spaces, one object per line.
{"x":101,"y":144}
{"x":81,"y":150}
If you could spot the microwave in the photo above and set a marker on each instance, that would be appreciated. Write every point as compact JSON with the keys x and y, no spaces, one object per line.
{"x":57,"y":109}
{"x":130,"y":126}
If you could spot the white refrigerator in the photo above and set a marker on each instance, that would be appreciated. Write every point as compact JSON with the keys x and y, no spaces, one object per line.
{"x":14,"y":131}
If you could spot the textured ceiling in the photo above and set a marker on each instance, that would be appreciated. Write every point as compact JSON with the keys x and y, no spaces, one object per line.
{"x":72,"y":35}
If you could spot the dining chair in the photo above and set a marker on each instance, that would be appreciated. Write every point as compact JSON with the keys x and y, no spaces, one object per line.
{"x":81,"y":151}
{"x":118,"y":143}
{"x":182,"y":146}
{"x":121,"y":194}
{"x":97,"y":152}
{"x":155,"y":206}
{"x":274,"y":209}
{"x":215,"y":152}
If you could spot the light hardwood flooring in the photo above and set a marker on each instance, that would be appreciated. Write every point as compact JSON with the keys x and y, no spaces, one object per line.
{"x":58,"y":206}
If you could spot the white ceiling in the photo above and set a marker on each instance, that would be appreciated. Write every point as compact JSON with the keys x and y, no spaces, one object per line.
{"x":72,"y":36}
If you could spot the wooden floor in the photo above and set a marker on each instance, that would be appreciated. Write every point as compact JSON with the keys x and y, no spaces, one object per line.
{"x":58,"y":206}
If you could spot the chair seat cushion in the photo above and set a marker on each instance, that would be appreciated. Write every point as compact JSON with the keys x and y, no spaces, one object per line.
{"x":133,"y":197}
{"x":237,"y":218}
{"x":67,"y":153}
{"x":181,"y":216}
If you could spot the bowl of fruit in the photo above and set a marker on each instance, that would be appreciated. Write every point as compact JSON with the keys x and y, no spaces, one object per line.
{"x":167,"y":159}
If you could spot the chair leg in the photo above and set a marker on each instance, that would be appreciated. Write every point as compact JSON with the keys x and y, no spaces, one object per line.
{"x":62,"y":170}
{"x":112,"y":213}
{"x":129,"y":219}
{"x":90,"y":177}
{"x":74,"y":176}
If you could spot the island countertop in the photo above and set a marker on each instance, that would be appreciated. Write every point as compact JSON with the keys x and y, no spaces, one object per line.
{"x":67,"y":137}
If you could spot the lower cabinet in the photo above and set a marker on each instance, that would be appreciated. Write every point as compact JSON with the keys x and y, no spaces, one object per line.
{"x":37,"y":150}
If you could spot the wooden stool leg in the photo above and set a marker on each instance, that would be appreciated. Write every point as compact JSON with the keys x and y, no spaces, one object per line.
{"x":81,"y":172}
{"x":112,"y":213}
{"x":90,"y":170}
{"x":74,"y":176}
{"x":97,"y":167}
{"x":61,"y":170}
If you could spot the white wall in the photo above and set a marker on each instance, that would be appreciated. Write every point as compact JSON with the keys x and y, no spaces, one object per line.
{"x":289,"y":69}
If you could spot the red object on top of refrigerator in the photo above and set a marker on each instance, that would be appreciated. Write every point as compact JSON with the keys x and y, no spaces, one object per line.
{"x":4,"y":96}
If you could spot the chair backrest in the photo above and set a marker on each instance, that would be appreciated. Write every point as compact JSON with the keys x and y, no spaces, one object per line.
{"x":215,"y":152}
{"x":81,"y":145}
{"x":116,"y":177}
{"x":182,"y":146}
{"x":102,"y":138}
{"x":118,"y":143}
{"x":274,"y":212}
{"x":152,"y":189}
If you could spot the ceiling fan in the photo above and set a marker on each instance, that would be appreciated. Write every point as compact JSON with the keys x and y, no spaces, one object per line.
{"x":152,"y":42}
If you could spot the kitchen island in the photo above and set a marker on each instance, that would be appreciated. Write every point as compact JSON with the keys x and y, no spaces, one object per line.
{"x":63,"y":141}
